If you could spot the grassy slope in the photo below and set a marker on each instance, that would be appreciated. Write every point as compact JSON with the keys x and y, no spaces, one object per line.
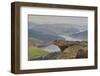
{"x":35,"y":52}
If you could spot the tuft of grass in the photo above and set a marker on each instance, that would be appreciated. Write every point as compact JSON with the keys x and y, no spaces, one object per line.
{"x":34,"y":52}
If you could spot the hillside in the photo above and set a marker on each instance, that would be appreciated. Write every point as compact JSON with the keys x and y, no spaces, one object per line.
{"x":36,"y":53}
{"x":67,"y":50}
{"x":42,"y":36}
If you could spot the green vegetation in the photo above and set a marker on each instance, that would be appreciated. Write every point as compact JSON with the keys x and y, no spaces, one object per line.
{"x":34,"y":52}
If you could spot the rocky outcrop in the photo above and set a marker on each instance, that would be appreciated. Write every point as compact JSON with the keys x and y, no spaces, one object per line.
{"x":72,"y":52}
{"x":72,"y":49}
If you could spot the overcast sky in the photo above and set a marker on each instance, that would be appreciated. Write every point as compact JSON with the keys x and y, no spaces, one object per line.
{"x":40,"y":19}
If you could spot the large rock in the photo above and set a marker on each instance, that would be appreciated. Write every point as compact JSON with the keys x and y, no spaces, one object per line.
{"x":63,"y":44}
{"x":75,"y":51}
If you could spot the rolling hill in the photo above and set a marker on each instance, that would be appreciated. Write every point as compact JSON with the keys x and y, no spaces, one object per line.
{"x":42,"y":36}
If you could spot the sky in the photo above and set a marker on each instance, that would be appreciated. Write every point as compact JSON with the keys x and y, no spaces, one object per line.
{"x":40,"y":19}
{"x":58,"y":24}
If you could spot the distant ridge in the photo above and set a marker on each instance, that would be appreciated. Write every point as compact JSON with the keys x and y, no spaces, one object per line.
{"x":81,"y":35}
